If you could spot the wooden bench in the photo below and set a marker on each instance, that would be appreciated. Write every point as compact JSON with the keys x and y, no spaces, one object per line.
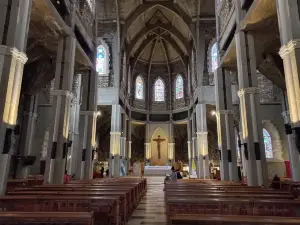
{"x":229,"y":220}
{"x":125,"y":210}
{"x":51,"y":218}
{"x":233,"y":206}
{"x":106,"y":209}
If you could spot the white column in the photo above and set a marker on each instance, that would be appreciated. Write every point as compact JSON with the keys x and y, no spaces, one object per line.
{"x":250,"y":110}
{"x":148,"y":152}
{"x":292,"y":149}
{"x":115,"y":141}
{"x":62,"y":95}
{"x":29,"y":122}
{"x":171,"y":144}
{"x":74,"y":125}
{"x":190,"y":144}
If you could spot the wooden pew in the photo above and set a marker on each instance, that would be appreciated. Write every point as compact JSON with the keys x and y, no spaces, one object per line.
{"x":125,"y":210}
{"x":51,"y":218}
{"x":230,"y":220}
{"x":106,"y":209}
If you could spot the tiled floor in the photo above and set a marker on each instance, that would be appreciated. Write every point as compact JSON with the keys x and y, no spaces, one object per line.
{"x":151,"y":210}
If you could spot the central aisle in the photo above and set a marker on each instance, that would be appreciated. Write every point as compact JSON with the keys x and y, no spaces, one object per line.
{"x":151,"y":210}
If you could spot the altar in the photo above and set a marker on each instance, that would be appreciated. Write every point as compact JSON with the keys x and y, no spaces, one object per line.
{"x":157,"y":170}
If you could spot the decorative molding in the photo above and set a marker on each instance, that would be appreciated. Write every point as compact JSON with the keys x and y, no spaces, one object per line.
{"x":289,"y":47}
{"x":249,"y":90}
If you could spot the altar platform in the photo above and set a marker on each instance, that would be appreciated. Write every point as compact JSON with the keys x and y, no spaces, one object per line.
{"x":157,"y":170}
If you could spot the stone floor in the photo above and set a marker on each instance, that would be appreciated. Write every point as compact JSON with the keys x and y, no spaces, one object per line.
{"x":151,"y":210}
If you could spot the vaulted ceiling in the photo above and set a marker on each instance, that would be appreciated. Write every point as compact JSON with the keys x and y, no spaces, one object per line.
{"x":160,"y":31}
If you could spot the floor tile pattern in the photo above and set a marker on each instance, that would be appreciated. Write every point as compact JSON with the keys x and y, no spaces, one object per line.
{"x":151,"y":210}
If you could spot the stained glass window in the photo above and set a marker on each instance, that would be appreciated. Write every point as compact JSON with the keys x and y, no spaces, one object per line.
{"x":101,"y":66}
{"x":268,"y":144}
{"x":179,"y":87}
{"x":139,"y":88}
{"x":159,"y":90}
{"x":214,"y":57}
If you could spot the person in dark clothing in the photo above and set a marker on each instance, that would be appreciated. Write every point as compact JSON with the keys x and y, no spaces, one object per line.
{"x":276,"y":182}
{"x":107,"y":172}
{"x":102,"y":172}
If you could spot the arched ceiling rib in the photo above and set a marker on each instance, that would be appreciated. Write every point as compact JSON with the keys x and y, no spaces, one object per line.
{"x":150,"y":28}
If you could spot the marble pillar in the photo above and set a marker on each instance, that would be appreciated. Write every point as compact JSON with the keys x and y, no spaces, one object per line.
{"x":289,"y":22}
{"x":87,"y":125}
{"x":148,"y":152}
{"x":225,"y":125}
{"x":171,"y":144}
{"x":195,"y":145}
{"x":28,"y":129}
{"x":62,"y":96}
{"x":115,"y":141}
{"x":13,"y":39}
{"x":73,"y":147}
{"x":249,"y":94}
{"x":190,"y":144}
{"x":129,"y":142}
{"x":202,"y":142}
{"x":292,"y":149}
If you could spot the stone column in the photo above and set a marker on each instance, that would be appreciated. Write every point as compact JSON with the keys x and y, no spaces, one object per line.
{"x":289,"y":22}
{"x":148,"y":153}
{"x":171,"y":144}
{"x":250,"y":108}
{"x":62,"y":95}
{"x":190,"y":144}
{"x":129,"y":142}
{"x":123,"y":145}
{"x":195,"y":144}
{"x":28,"y":129}
{"x":87,"y":125}
{"x":13,"y":39}
{"x":115,"y":141}
{"x":292,"y":149}
{"x":225,"y":124}
{"x":74,"y":125}
{"x":202,"y":143}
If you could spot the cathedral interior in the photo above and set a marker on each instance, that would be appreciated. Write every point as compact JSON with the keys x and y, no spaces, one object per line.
{"x":135,"y":87}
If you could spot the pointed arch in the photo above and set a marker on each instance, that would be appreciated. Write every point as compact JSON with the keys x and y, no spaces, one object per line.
{"x":159,"y":90}
{"x":179,"y":87}
{"x":139,"y":88}
{"x":214,"y":57}
{"x":102,"y":58}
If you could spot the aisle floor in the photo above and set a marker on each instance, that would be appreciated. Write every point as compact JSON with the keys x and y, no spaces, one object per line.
{"x":151,"y":210}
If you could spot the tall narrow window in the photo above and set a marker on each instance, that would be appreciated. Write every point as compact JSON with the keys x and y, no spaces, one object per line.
{"x":101,"y":61}
{"x":159,"y":90}
{"x":179,"y":87}
{"x":139,"y":88}
{"x":268,"y":144}
{"x":214,"y":57}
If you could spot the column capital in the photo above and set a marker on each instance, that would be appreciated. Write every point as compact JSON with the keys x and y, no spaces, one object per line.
{"x":31,"y":114}
{"x":147,"y":144}
{"x":129,"y":142}
{"x":115,"y":133}
{"x":189,"y":142}
{"x":224,"y":112}
{"x":202,"y":133}
{"x":172,"y":144}
{"x":12,"y":51}
{"x":58,"y":92}
{"x":249,"y":90}
{"x":289,"y":47}
{"x":88,"y":113}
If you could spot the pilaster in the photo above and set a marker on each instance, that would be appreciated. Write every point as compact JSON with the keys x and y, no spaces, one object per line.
{"x":257,"y":173}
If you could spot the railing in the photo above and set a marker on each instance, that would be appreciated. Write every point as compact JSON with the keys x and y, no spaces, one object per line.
{"x":105,"y":81}
{"x":86,"y":15}
{"x":224,"y":13}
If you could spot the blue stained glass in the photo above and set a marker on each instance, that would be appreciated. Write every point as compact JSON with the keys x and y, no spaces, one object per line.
{"x":179,"y":87}
{"x":159,"y":91}
{"x":101,"y":60}
{"x":214,"y":57}
{"x":268,"y":144}
{"x":139,"y":88}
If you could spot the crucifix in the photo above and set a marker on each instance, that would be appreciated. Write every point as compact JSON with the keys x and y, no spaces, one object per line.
{"x":158,"y":141}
